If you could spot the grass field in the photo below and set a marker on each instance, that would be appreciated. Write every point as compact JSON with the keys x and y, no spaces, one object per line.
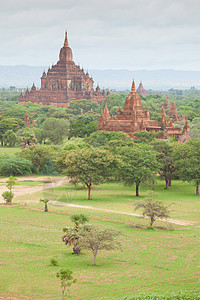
{"x":150,"y":261}
{"x":8,"y":150}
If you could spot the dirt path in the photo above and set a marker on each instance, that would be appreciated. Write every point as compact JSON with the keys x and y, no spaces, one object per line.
{"x":177,"y":222}
{"x":51,"y":182}
{"x":46,"y":183}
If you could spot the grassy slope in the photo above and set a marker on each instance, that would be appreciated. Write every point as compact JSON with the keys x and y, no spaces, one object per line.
{"x":150,"y":260}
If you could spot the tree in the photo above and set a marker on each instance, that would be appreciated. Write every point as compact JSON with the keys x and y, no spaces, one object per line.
{"x":39,"y":155}
{"x":165,"y":159}
{"x":45,"y":201}
{"x":90,"y":166}
{"x":187,"y":161}
{"x":86,"y":105}
{"x":71,"y":233}
{"x":83,"y":126}
{"x":9,"y":195}
{"x":66,"y":280}
{"x":8,"y":124}
{"x":101,"y":138}
{"x":55,"y":129}
{"x":113,"y":101}
{"x":95,"y":239}
{"x":28,"y":138}
{"x":139,"y":165}
{"x":10,"y":138}
{"x":75,"y":143}
{"x":153,"y":209}
{"x":11,"y":182}
{"x":145,"y":137}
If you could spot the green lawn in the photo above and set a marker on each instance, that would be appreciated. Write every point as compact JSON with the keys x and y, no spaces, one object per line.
{"x":8,"y":150}
{"x":158,"y":260}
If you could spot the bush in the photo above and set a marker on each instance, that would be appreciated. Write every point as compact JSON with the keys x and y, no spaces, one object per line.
{"x":14,"y":166}
{"x":8,"y":196}
{"x":54,"y":262}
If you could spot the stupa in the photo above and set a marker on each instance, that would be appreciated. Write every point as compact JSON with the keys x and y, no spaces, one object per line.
{"x":134,"y":118}
{"x":64,"y":82}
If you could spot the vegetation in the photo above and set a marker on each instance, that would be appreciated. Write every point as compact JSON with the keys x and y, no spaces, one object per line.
{"x":90,"y":167}
{"x":71,"y":236}
{"x":9,"y":195}
{"x":149,"y":258}
{"x":45,"y":201}
{"x":94,"y":239}
{"x":65,"y":140}
{"x":153,"y":209}
{"x":139,"y":165}
{"x":15,"y":166}
{"x":66,"y":280}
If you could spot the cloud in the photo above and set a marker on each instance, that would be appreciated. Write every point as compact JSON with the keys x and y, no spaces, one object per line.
{"x":103,"y":34}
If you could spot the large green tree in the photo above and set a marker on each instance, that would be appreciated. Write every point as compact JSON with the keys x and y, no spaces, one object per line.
{"x":55,"y":129}
{"x":165,"y":158}
{"x":82,"y":127}
{"x":39,"y":156}
{"x":139,"y":165}
{"x":101,"y":138}
{"x":187,"y":161}
{"x":8,"y":124}
{"x":90,"y":166}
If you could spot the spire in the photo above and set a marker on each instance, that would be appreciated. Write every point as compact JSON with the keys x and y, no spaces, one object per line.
{"x":66,"y":44}
{"x":163,"y":111}
{"x":186,"y":128}
{"x":163,"y":121}
{"x":133,"y":86}
{"x":106,"y":114}
{"x":170,"y":123}
{"x":147,"y":112}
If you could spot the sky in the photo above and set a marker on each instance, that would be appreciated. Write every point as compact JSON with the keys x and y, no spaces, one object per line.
{"x":103,"y":34}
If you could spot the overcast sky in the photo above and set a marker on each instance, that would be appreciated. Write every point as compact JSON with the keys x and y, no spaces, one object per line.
{"x":103,"y":34}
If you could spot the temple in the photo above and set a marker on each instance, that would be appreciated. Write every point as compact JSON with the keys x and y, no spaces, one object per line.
{"x":64,"y":82}
{"x":134,"y":118}
{"x":141,"y":90}
{"x":173,"y":113}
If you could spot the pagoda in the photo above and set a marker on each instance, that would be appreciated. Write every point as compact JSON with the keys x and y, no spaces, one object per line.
{"x":134,"y":118}
{"x":173,"y":113}
{"x":63,"y":82}
{"x":141,"y":90}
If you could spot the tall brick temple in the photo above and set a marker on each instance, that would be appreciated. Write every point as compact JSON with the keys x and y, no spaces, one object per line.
{"x":63,"y":82}
{"x":134,"y":118}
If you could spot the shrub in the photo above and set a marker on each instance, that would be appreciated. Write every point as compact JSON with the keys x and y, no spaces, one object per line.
{"x":14,"y":166}
{"x":54,"y":262}
{"x":8,"y":196}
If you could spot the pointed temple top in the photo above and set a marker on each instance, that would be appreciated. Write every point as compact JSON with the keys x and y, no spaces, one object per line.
{"x":66,"y":44}
{"x":133,"y":86}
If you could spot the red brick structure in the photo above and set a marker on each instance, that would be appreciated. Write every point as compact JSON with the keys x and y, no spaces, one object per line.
{"x":166,"y":104}
{"x":173,"y":113}
{"x":28,"y":122}
{"x":133,"y":118}
{"x":141,"y":90}
{"x":64,"y":82}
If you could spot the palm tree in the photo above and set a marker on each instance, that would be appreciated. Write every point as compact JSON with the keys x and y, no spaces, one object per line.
{"x":71,"y":233}
{"x":45,"y":201}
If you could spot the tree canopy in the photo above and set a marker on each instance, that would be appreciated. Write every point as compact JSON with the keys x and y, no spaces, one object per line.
{"x":90,"y":166}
